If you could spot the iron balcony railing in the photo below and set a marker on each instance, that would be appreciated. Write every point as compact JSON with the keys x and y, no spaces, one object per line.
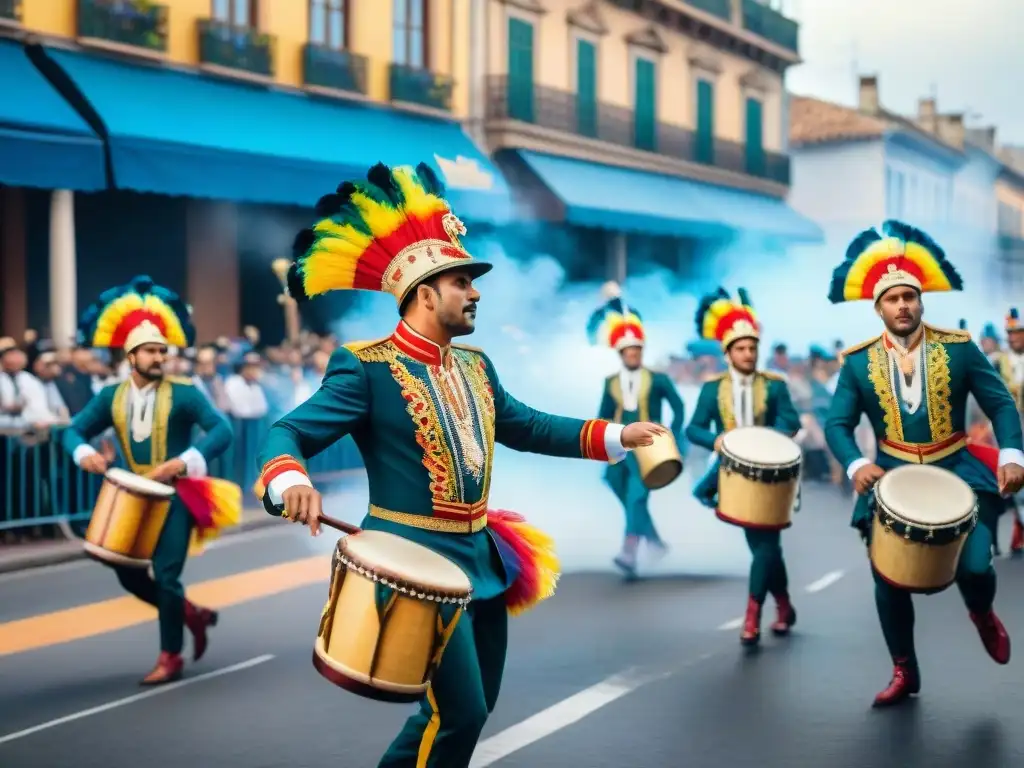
{"x":771,"y":25}
{"x":242,"y":48}
{"x":565,"y":111}
{"x":138,"y":23}
{"x":421,"y":87}
{"x":338,"y":70}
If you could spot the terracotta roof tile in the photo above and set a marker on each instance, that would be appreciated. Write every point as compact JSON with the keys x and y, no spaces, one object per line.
{"x":813,"y":120}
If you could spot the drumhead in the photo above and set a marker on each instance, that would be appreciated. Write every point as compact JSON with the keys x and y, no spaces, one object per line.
{"x":926,"y":496}
{"x":761,"y":446}
{"x":138,"y":483}
{"x":406,"y":560}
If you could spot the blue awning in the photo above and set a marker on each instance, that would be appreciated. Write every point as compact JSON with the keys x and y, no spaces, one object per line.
{"x":181,"y":134}
{"x":43,"y":141}
{"x":627,"y":200}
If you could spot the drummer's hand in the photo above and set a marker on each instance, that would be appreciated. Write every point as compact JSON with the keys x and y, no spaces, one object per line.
{"x":107,"y":450}
{"x":718,"y":443}
{"x":95,"y":463}
{"x":1011,"y":478}
{"x":864,"y":479}
{"x":167,"y":471}
{"x":303,"y":504}
{"x":641,"y":433}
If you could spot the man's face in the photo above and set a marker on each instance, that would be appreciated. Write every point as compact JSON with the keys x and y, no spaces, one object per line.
{"x":82,"y":359}
{"x":988,"y":346}
{"x":901,"y":310}
{"x":632,"y":357}
{"x":454,"y":303}
{"x":46,"y":369}
{"x":148,"y":361}
{"x":13,"y":361}
{"x":1016,"y":340}
{"x":742,"y":355}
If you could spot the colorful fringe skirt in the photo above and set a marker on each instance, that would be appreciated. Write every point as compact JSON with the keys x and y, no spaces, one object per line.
{"x":534,"y":552}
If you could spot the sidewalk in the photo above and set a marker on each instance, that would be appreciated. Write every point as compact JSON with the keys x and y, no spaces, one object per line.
{"x":19,"y":557}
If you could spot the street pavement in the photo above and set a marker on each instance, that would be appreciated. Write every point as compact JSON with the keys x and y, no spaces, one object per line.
{"x":606,"y":674}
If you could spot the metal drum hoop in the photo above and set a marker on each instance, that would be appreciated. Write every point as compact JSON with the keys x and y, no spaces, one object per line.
{"x":403,"y":586}
{"x":912,"y":530}
{"x":762,"y":473}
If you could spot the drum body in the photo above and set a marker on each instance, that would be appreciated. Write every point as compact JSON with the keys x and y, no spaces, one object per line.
{"x":923,"y":516}
{"x":758,"y":478}
{"x":660,"y":463}
{"x":127,"y":519}
{"x":388,"y":616}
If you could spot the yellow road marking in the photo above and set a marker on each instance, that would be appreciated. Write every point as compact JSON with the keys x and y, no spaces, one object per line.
{"x":122,"y":612}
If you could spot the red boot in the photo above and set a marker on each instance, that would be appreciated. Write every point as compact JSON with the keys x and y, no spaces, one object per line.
{"x":198,"y":620}
{"x":785,"y":616}
{"x":906,"y":682}
{"x":993,"y":636}
{"x":1017,"y":539}
{"x":168,"y":669}
{"x":751,"y":624}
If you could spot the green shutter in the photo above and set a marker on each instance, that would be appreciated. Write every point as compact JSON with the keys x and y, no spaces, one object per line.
{"x":520,"y":70}
{"x":755,"y":138}
{"x":586,"y":88}
{"x":705,"y":149}
{"x":645,"y":121}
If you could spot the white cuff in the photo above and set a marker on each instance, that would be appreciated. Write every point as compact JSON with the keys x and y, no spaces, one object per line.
{"x":855,"y":465}
{"x":613,"y":443}
{"x":195,"y":462}
{"x":283,"y":482}
{"x":1011,"y":456}
{"x":81,"y":452}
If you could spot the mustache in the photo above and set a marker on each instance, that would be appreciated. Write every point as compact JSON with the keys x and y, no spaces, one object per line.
{"x":471,"y":306}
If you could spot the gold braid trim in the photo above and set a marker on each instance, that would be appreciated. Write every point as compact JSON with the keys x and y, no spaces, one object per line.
{"x":878,"y":375}
{"x":940,"y":410}
{"x":725,"y":408}
{"x":157,"y":438}
{"x":472,"y":364}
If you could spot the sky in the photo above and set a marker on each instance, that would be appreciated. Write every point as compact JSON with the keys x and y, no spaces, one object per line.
{"x":970,"y":54}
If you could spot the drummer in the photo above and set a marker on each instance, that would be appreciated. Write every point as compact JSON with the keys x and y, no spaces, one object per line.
{"x":634,"y":393}
{"x":154,"y":418}
{"x":425,"y":414}
{"x":744,"y":397}
{"x":920,"y":420}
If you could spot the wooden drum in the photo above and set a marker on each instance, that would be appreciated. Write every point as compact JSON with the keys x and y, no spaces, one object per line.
{"x":660,"y":463}
{"x":923,"y":516}
{"x":127,"y":520}
{"x":391,"y":608}
{"x":758,"y":478}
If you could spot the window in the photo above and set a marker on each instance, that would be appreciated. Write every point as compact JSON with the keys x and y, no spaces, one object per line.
{"x":645,"y":105}
{"x":755,"y":137}
{"x":705,"y":149}
{"x":237,"y":13}
{"x":520,"y":69}
{"x":410,"y":38}
{"x":586,"y":87}
{"x":328,"y":23}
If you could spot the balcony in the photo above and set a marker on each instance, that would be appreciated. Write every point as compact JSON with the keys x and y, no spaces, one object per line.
{"x":720,"y":8}
{"x":10,"y":13}
{"x":771,"y":25}
{"x":236,"y":50}
{"x":562,"y":111}
{"x":421,"y":88}
{"x":120,"y":24}
{"x":334,"y":71}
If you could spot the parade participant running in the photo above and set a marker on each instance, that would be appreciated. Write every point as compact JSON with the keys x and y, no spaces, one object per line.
{"x":154,"y":418}
{"x":912,"y":381}
{"x":425,"y":414}
{"x":744,"y":397}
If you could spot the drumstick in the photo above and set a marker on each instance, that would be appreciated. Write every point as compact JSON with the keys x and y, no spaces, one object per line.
{"x":277,"y":510}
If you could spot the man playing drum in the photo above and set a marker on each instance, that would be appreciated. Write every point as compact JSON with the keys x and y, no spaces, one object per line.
{"x":425,"y":414}
{"x":635,"y":393}
{"x":913,"y":382}
{"x":744,"y":397}
{"x":154,"y":418}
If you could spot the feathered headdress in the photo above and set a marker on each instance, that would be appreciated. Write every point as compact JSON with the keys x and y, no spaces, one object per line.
{"x":904,"y":256}
{"x":128,"y":316}
{"x":963,"y":324}
{"x":989,"y":331}
{"x":724,"y":320}
{"x":1013,"y":321}
{"x":704,"y":348}
{"x":388,"y":234}
{"x":615,"y":325}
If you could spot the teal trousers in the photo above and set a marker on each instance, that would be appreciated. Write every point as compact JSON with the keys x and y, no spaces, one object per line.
{"x":627,"y":485}
{"x":463,"y":692}
{"x":768,"y":568}
{"x":975,"y":578}
{"x":164,"y":591}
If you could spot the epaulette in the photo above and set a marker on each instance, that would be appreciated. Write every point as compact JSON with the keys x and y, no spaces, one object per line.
{"x":861,"y":345}
{"x":715,"y":376}
{"x":183,"y":380}
{"x":468,"y":348}
{"x":773,"y":375}
{"x":948,"y":336}
{"x":359,"y":346}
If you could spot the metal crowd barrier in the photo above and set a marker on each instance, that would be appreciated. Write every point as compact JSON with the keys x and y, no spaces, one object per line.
{"x":40,"y":484}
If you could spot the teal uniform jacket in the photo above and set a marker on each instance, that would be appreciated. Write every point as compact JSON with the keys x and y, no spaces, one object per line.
{"x":715,"y":415}
{"x":954,"y":368}
{"x":425,"y":420}
{"x":656,"y":389}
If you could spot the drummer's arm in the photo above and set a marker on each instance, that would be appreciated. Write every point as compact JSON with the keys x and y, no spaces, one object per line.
{"x":787,"y":420}
{"x":216,"y":430}
{"x":675,"y":402}
{"x":332,"y":412}
{"x":841,"y":424}
{"x":996,"y":401}
{"x":93,"y":420}
{"x":607,"y":409}
{"x":699,"y":432}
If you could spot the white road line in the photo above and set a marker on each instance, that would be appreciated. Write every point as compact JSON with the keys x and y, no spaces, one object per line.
{"x":562,"y":714}
{"x":137,"y":697}
{"x":825,"y":581}
{"x":732,"y":624}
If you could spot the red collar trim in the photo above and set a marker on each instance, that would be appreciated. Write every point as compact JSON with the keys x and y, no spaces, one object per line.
{"x":418,"y":347}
